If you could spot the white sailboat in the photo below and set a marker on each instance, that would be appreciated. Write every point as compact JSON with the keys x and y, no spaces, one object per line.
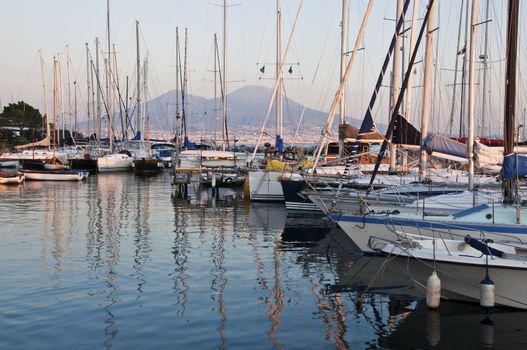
{"x":461,"y":265}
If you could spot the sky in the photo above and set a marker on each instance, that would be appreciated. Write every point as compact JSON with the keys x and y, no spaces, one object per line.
{"x":50,"y":25}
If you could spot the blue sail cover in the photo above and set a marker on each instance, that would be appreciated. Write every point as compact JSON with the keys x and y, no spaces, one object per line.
{"x":189,"y":145}
{"x":279,"y":144}
{"x":137,"y":136}
{"x":514,"y":165}
{"x":438,"y":143}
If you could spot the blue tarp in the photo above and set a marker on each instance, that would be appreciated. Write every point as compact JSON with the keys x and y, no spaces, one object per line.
{"x":189,"y":145}
{"x":514,"y":165}
{"x":279,"y":144}
{"x":438,"y":143}
{"x":137,"y":136}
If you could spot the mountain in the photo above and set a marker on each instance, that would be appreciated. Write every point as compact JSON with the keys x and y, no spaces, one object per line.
{"x":247,"y":107}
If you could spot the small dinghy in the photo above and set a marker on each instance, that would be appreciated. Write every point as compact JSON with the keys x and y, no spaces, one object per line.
{"x":11,"y":178}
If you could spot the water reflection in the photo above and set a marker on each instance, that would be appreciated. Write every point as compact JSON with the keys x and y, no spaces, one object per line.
{"x":459,"y":325}
{"x":121,"y":265}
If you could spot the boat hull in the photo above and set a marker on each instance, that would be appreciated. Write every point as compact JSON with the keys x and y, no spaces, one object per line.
{"x":114,"y":164}
{"x":147,"y":166}
{"x":361,"y":227}
{"x":11,"y":179}
{"x":461,"y":282}
{"x":264,"y":186}
{"x":66,"y":175}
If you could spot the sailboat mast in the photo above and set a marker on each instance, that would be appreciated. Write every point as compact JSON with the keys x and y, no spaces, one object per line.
{"x":279,"y":79}
{"x":178,"y":64}
{"x":109,"y":79}
{"x":88,"y":87}
{"x":214,"y":121}
{"x":510,"y":92}
{"x":147,"y":114}
{"x":224,"y":81}
{"x":343,"y":54}
{"x":184,"y":95}
{"x":396,"y":78}
{"x":97,"y":76}
{"x":46,"y":116}
{"x":55,"y":133}
{"x":471,"y":82}
{"x":409,"y":91}
{"x":427,"y":93}
{"x":138,"y":62}
{"x":68,"y":72}
{"x":485,"y":100}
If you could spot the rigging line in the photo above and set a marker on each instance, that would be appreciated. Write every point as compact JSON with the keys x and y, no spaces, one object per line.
{"x":315,"y":74}
{"x":400,"y":98}
{"x":37,"y":58}
{"x":263,"y":31}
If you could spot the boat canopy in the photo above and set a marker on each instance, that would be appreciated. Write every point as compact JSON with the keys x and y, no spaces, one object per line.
{"x":514,"y":164}
{"x":442,"y":144}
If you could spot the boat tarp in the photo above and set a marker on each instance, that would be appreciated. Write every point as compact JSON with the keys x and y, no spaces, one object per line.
{"x":42,"y":143}
{"x":438,"y":143}
{"x":514,"y":164}
{"x":487,"y":156}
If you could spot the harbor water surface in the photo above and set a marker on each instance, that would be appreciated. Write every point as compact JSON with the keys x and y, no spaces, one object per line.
{"x":120,"y":262}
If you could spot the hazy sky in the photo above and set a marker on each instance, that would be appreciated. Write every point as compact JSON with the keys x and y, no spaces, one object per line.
{"x":50,"y":25}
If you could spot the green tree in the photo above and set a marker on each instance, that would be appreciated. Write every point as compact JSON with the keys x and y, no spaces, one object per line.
{"x":26,"y":118}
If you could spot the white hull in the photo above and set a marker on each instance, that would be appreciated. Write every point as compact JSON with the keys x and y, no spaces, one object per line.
{"x":56,"y":175}
{"x":497,"y":223}
{"x":114,"y":162}
{"x":461,"y":268}
{"x":264,"y":186}
{"x":12,"y":179}
{"x":211,"y":159}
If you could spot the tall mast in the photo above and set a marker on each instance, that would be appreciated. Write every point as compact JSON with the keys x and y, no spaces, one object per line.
{"x":55,"y":133}
{"x":427,"y":93}
{"x":485,"y":99}
{"x":68,"y":69}
{"x":471,"y":82}
{"x":409,"y":90}
{"x":185,"y":77}
{"x":215,"y":112}
{"x":396,"y":78}
{"x":278,"y":75}
{"x":61,"y":99}
{"x":147,"y":114}
{"x":178,"y":64}
{"x":343,"y":54}
{"x":88,"y":87}
{"x":138,"y":57}
{"x":510,"y":91}
{"x":99,"y":117}
{"x":46,"y":116}
{"x":463,"y":76}
{"x":454,"y":86}
{"x":224,"y":81}
{"x":109,"y":79}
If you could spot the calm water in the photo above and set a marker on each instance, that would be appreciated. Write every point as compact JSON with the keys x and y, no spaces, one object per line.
{"x":118,"y":262}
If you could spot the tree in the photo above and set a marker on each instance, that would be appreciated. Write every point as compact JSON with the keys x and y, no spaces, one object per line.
{"x":24,"y":117}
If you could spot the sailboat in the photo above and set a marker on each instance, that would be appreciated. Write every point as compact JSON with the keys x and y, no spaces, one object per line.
{"x":120,"y":161}
{"x":147,"y":165}
{"x":53,"y":170}
{"x":215,"y":167}
{"x":11,"y":178}
{"x":496,"y":219}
